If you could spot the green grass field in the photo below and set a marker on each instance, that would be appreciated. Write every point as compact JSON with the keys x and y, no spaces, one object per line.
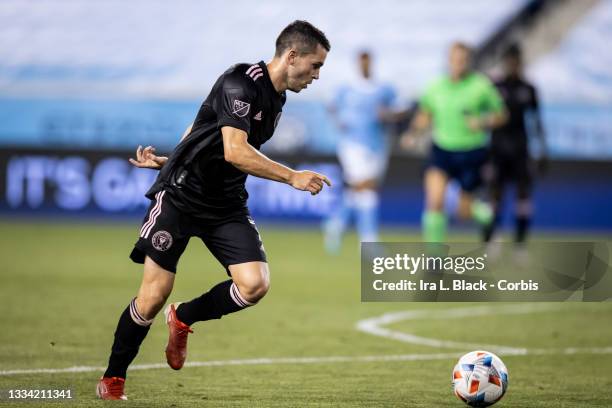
{"x":63,"y":287}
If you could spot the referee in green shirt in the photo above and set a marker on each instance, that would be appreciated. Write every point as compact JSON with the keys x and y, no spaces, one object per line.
{"x":461,"y":108}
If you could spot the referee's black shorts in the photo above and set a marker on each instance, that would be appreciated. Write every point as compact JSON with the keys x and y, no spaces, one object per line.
{"x":166,"y":231}
{"x":465,"y":166}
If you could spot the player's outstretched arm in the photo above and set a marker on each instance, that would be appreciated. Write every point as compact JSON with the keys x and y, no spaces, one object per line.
{"x":246,"y":158}
{"x":418,"y":126}
{"x":488,"y":122}
{"x":146,"y":158}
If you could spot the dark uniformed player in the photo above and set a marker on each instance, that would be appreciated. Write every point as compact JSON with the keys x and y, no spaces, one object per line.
{"x":200,"y":192}
{"x":510,"y":159}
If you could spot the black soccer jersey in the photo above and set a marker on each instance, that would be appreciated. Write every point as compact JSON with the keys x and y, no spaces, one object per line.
{"x":199,"y":180}
{"x":521,"y":99}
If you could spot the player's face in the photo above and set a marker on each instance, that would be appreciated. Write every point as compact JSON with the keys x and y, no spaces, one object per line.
{"x":512,"y":65}
{"x":459,"y":62}
{"x":364,"y":65}
{"x":303,"y":69}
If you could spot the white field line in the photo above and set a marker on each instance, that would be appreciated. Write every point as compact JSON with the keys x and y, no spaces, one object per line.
{"x":308,"y":360}
{"x":374,"y":326}
{"x":254,"y":361}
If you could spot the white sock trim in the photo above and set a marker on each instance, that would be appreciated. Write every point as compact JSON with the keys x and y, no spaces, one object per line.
{"x":237,"y":297}
{"x":137,"y":317}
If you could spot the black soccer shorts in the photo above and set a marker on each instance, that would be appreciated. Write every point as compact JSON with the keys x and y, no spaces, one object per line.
{"x":512,"y":168}
{"x":165,"y":232}
{"x":463,"y":166}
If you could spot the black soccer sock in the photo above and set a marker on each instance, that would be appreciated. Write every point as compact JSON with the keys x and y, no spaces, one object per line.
{"x":489,"y":229}
{"x":222,"y":299}
{"x":131,"y":331}
{"x":522,"y":228}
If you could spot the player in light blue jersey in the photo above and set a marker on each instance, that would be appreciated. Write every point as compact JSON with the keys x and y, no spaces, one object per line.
{"x":360,"y":111}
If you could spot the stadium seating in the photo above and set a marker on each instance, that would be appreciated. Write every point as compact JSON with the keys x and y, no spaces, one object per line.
{"x":145,"y":48}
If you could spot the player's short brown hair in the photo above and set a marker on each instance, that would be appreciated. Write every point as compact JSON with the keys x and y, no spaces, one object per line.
{"x":513,"y":51}
{"x":462,"y":46}
{"x":302,"y":36}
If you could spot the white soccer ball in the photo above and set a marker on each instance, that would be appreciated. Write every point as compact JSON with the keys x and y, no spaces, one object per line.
{"x":480,"y":379}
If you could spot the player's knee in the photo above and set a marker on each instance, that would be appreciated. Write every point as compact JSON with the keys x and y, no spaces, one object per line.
{"x":365,"y":185}
{"x":435,"y":205}
{"x":149,"y":304}
{"x":261,"y":290}
{"x":254,"y":290}
{"x":465,"y":207}
{"x":434,"y":201}
{"x":252,"y":280}
{"x":464,"y":211}
{"x":464,"y":214}
{"x":524,"y":208}
{"x":254,"y":286}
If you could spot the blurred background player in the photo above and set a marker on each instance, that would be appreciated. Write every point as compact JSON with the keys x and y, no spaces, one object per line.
{"x":509,"y":155}
{"x":360,"y":111}
{"x":460,"y":107}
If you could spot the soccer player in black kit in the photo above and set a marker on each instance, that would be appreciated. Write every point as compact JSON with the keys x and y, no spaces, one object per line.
{"x":200,"y":192}
{"x":509,"y":155}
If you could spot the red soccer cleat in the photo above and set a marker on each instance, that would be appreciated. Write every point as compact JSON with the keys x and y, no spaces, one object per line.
{"x":176,"y":350}
{"x":111,"y":388}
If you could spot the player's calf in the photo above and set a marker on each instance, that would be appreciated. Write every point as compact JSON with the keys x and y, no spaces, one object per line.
{"x":132,"y":329}
{"x":224,"y":298}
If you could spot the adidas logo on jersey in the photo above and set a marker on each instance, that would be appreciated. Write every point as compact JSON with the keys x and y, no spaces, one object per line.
{"x":257,"y":116}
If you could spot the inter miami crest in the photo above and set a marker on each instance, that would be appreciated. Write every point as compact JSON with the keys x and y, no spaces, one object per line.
{"x":241,"y":109}
{"x":161,"y":240}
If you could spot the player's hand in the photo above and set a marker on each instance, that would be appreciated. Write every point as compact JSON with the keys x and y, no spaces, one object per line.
{"x":146,"y":158}
{"x":474,"y":123}
{"x":307,"y":180}
{"x":408,"y":141}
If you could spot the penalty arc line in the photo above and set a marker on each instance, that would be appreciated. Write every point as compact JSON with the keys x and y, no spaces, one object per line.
{"x":374,"y":326}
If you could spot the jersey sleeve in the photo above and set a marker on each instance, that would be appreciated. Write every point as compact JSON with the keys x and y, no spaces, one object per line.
{"x":236,"y":99}
{"x":426,"y":101}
